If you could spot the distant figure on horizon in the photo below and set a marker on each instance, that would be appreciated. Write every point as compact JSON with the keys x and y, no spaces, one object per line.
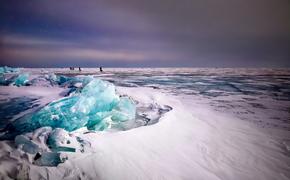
{"x":80,"y":69}
{"x":101,"y":69}
{"x":71,"y":68}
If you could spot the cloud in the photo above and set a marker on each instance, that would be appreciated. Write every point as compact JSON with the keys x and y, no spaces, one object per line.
{"x":27,"y":41}
{"x":71,"y":53}
{"x":187,"y":32}
{"x":23,"y":49}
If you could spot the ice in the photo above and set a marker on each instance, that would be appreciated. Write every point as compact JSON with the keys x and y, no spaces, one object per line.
{"x":7,"y":75}
{"x":42,"y":81}
{"x":123,"y":116}
{"x":44,"y":145}
{"x":97,"y":96}
{"x":47,"y":80}
{"x":25,"y":144}
{"x":59,"y":140}
{"x":71,"y":81}
{"x":7,"y":69}
{"x":51,"y":77}
{"x":6,"y":79}
{"x":191,"y":139}
{"x":49,"y":159}
{"x":94,"y":107}
{"x":33,"y":142}
{"x":21,"y":80}
{"x":125,"y":110}
{"x":61,"y":79}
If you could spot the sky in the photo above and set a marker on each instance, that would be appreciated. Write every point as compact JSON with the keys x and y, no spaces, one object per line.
{"x":145,"y":33}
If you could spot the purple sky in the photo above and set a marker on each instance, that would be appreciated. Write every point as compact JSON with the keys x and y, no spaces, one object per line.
{"x":145,"y":33}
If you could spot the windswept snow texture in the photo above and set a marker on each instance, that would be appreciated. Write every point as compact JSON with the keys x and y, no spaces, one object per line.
{"x":212,"y":124}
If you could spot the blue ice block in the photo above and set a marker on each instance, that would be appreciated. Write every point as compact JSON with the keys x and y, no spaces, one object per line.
{"x":26,"y":144}
{"x":49,"y":159}
{"x":93,"y":107}
{"x":7,"y":69}
{"x":21,"y":80}
{"x":124,"y":111}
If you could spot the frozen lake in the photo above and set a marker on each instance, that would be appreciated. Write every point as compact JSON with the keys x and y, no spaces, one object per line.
{"x":194,"y":123}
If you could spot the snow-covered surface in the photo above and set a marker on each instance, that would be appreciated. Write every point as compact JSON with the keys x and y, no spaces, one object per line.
{"x":208,"y":134}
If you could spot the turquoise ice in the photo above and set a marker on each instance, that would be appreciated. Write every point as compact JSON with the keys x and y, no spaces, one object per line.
{"x":22,"y":79}
{"x":7,"y":75}
{"x":49,"y":159}
{"x":26,"y":144}
{"x":71,"y":81}
{"x":124,"y":110}
{"x":7,"y":69}
{"x":96,"y":107}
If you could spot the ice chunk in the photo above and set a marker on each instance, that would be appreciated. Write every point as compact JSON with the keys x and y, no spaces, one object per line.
{"x":25,"y":144}
{"x":6,"y":79}
{"x":62,"y":79}
{"x":7,"y":75}
{"x":49,"y":159}
{"x":59,"y":140}
{"x":21,"y":80}
{"x":33,"y":142}
{"x":97,"y":96}
{"x":2,"y":79}
{"x":125,"y":110}
{"x":72,"y":81}
{"x":58,"y":114}
{"x":47,"y":80}
{"x":7,"y":69}
{"x":92,"y":107}
{"x":83,"y":80}
{"x":119,"y":117}
{"x":52,"y":77}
